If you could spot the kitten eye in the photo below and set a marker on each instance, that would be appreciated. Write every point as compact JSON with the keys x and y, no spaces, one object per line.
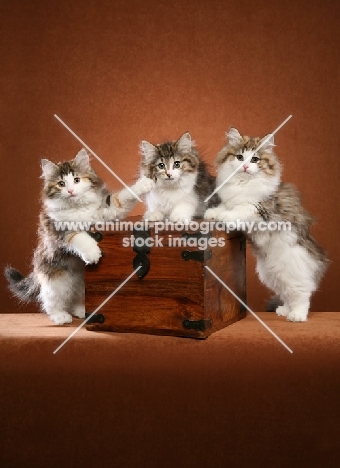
{"x":240,"y":157}
{"x":177,"y":164}
{"x":161,"y":165}
{"x":77,"y":180}
{"x":61,"y":183}
{"x":254,"y":159}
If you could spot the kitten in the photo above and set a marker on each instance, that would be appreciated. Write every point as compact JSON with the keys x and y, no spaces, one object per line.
{"x":289,"y":262}
{"x":182,"y":180}
{"x":72,"y":192}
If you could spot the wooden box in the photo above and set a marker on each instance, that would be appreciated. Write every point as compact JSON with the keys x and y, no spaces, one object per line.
{"x":172,"y":293}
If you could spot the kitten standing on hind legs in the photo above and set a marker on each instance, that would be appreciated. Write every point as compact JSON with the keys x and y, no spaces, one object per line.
{"x":72,"y":193}
{"x":289,"y":262}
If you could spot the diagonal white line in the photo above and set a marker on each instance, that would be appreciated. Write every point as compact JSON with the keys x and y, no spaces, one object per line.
{"x":96,"y":156}
{"x":98,"y":308}
{"x":247,"y":159}
{"x":253,"y":313}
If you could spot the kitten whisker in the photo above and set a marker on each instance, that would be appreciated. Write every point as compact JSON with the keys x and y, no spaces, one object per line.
{"x":64,"y":246}
{"x":289,"y":261}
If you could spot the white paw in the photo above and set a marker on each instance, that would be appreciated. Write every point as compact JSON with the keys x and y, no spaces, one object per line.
{"x":297,"y":316}
{"x":180,"y":218}
{"x":211,"y":213}
{"x":79,"y":311}
{"x":154,"y":216}
{"x":91,"y":255}
{"x":282,"y":311}
{"x":182,"y":213}
{"x":226,"y":217}
{"x":61,"y":318}
{"x":143,"y":185}
{"x":86,"y":247}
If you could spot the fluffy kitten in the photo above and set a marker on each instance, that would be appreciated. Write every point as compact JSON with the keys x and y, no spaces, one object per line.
{"x":72,"y":192}
{"x":182,"y":180}
{"x":289,"y":262}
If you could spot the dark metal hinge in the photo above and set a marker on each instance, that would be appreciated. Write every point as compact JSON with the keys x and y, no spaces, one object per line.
{"x":195,"y":235}
{"x":198,"y":255}
{"x":96,"y":318}
{"x":140,"y":246}
{"x":199,"y":325}
{"x":96,"y":235}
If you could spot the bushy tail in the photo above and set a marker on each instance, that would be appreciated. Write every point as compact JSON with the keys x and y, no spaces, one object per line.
{"x":26,"y":289}
{"x":273,"y":303}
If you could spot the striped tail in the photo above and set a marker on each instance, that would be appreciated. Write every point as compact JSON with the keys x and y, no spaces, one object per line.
{"x":25,"y":289}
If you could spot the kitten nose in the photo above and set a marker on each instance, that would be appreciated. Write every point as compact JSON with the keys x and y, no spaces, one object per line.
{"x":169,"y":175}
{"x":70,"y":190}
{"x":245,"y":166}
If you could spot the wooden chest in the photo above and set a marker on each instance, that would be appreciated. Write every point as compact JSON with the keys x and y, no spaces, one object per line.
{"x":172,"y":293}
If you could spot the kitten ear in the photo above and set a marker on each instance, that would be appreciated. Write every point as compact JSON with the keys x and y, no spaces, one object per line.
{"x":48,"y":168}
{"x":82,"y":160}
{"x":267,"y":143}
{"x":148,"y":151}
{"x":185,"y":143}
{"x":234,"y":137}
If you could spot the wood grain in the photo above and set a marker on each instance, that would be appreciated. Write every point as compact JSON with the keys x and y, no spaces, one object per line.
{"x":172,"y":291}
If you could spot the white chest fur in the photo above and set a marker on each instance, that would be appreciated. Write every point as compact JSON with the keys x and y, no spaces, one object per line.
{"x":167,"y":197}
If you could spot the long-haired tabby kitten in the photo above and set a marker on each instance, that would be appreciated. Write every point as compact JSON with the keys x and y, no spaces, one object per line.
{"x":72,"y":192}
{"x":289,"y":262}
{"x":182,"y":180}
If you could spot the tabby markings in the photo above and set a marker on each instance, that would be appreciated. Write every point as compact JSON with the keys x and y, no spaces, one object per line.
{"x":248,"y":158}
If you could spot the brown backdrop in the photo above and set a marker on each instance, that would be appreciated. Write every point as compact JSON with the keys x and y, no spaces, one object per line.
{"x":119,"y":71}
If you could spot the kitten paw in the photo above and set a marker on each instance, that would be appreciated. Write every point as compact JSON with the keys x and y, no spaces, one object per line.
{"x":214,"y":213}
{"x":143,"y":186}
{"x":61,"y":318}
{"x":178,"y":218}
{"x":79,"y":311}
{"x":91,"y":255}
{"x":282,"y":311}
{"x":182,"y":213}
{"x":211,"y":213}
{"x":297,"y":316}
{"x":154,"y":216}
{"x":226,"y":217}
{"x":86,"y":247}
